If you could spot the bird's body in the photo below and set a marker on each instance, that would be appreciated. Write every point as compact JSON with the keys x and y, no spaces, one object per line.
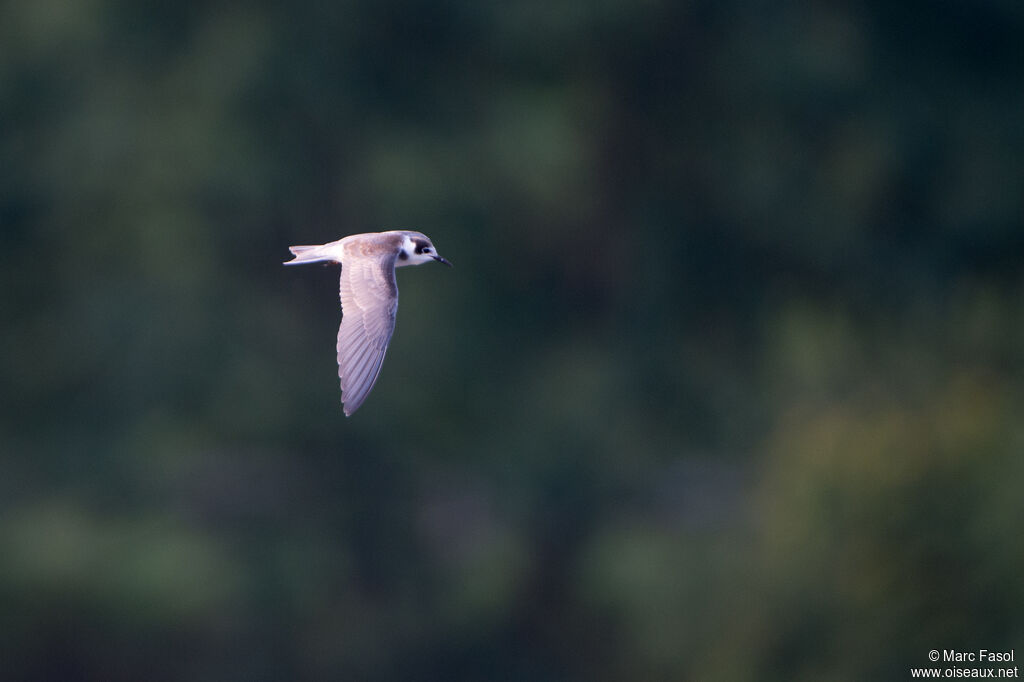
{"x":369,"y":299}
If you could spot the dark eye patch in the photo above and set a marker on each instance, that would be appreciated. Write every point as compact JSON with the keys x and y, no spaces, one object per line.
{"x":420,"y":245}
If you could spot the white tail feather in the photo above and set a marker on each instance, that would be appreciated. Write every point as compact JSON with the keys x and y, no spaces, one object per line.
{"x":315,"y":253}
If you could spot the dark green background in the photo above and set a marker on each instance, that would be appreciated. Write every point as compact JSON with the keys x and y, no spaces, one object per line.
{"x":726,"y":383}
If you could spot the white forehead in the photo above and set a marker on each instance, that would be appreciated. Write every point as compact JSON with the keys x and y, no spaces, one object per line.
{"x":409,"y":241}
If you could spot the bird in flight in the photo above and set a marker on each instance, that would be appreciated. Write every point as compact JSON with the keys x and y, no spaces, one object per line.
{"x":369,"y":299}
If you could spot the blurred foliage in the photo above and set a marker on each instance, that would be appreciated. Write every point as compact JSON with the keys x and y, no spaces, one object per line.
{"x":726,"y":384}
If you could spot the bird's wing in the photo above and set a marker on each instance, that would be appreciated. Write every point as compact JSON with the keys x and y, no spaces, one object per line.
{"x":369,"y":301}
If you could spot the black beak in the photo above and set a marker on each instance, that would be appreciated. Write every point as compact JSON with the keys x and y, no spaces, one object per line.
{"x":442,"y":260}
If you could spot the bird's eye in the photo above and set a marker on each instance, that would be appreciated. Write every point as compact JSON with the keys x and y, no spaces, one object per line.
{"x":426,"y":249}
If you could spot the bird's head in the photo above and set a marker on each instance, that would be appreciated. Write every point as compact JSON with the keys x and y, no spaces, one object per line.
{"x":417,"y":249}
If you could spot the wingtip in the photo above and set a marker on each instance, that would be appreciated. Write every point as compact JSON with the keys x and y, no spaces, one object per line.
{"x":348,"y":410}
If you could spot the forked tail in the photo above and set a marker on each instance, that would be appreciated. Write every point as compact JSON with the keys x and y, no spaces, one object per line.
{"x":309,"y":254}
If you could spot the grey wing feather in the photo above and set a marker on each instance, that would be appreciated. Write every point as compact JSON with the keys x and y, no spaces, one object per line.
{"x":369,"y":301}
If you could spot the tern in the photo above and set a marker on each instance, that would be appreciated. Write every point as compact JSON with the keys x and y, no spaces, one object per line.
{"x":369,"y":299}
